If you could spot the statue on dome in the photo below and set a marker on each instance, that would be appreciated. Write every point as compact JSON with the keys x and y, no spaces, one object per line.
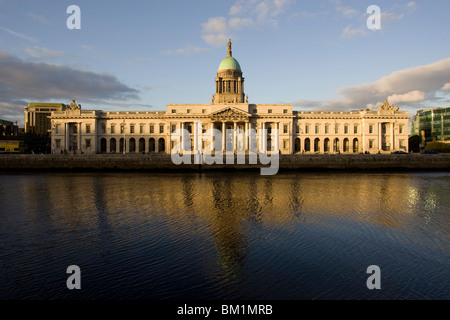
{"x":229,"y":48}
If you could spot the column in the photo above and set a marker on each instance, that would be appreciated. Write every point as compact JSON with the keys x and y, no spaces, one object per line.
{"x":196,"y":125}
{"x":235,"y":137}
{"x":181,"y":137}
{"x":277,"y":137}
{"x":392,"y":137}
{"x":79,"y":137}
{"x":246,"y":137}
{"x":67,"y":128}
{"x":223,"y":137}
{"x":263,"y":137}
{"x":380,"y":141}
{"x":363,"y":130}
{"x":94,"y":141}
{"x":212,"y":136}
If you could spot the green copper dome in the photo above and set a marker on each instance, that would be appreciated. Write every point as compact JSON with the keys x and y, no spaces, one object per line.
{"x":229,"y":63}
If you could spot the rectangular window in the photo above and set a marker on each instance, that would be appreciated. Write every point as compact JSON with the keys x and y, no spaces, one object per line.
{"x":285,"y":144}
{"x":141,"y":129}
{"x":285,"y":128}
{"x":103,"y":128}
{"x":113,"y":130}
{"x":285,"y":111}
{"x":203,"y":110}
{"x":188,"y":111}
{"x":336,"y":129}
{"x":306,"y":129}
{"x":401,"y":129}
{"x":355,"y":129}
{"x":131,"y":129}
{"x":88,"y":128}
{"x":327,"y":129}
{"x":297,"y":129}
{"x":161,"y":129}
{"x":152,"y":129}
{"x":58,"y":143}
{"x":204,"y":128}
{"x":317,"y":129}
{"x":269,"y":111}
{"x":57,"y":129}
{"x":88,"y":143}
{"x":346,"y":129}
{"x":370,"y":144}
{"x":371,"y":128}
{"x":174,"y":111}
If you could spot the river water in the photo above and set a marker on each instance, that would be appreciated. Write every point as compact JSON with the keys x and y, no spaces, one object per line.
{"x":225,"y":235}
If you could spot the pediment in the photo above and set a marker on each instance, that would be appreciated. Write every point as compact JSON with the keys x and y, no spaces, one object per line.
{"x":230,"y":112}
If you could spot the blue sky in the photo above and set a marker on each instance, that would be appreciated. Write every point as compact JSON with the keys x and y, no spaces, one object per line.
{"x":143,"y":55}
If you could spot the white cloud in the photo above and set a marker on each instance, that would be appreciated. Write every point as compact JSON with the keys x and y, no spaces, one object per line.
{"x":413,"y":96}
{"x":243,"y":14}
{"x":88,"y":48}
{"x":346,"y":11}
{"x":351,"y":33}
{"x":216,"y":31}
{"x":132,"y":62}
{"x":18,"y":34}
{"x":409,"y":86}
{"x":186,"y":50}
{"x":39,"y":18}
{"x":446,"y":87}
{"x":41,"y":53}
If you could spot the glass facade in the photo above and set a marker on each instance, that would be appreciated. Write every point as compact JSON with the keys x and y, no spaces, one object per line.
{"x":433,"y":124}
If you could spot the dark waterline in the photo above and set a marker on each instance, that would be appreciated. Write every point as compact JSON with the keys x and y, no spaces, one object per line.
{"x":225,"y":236}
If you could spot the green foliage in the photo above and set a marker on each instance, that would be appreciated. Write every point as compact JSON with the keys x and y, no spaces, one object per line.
{"x":414,"y":143}
{"x":438,"y":146}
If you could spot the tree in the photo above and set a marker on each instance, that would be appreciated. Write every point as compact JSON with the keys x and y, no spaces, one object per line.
{"x":414,"y":143}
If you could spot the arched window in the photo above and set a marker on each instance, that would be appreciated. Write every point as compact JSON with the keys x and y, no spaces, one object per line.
{"x":317,"y":145}
{"x":336,"y":147}
{"x":112,"y":145}
{"x":141,"y":145}
{"x":151,"y":145}
{"x":307,"y":145}
{"x":121,"y":145}
{"x":326,"y":145}
{"x":132,"y":145}
{"x":346,"y":145}
{"x":355,"y":145}
{"x":161,"y":145}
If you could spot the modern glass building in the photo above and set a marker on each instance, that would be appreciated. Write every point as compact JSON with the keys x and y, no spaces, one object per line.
{"x":432,"y":124}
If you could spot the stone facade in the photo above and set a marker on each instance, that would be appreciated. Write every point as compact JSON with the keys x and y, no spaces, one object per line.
{"x":94,"y":131}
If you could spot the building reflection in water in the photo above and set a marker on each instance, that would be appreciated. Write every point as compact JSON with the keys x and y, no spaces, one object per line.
{"x":226,"y":207}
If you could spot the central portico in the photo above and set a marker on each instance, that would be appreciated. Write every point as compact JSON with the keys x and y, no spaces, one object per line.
{"x":229,"y":112}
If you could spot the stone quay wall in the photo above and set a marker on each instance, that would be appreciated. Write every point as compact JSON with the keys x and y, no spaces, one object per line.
{"x":163,"y":162}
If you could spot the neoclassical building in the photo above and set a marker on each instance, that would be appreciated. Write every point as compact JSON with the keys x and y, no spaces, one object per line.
{"x":95,"y":131}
